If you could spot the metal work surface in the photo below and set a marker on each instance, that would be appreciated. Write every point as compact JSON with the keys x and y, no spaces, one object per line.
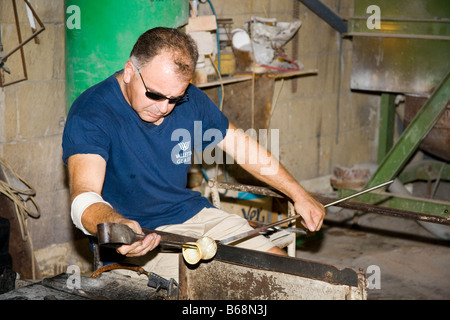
{"x":234,"y":273}
{"x":277,"y":263}
{"x":289,"y":265}
{"x":109,"y":286}
{"x":246,"y":274}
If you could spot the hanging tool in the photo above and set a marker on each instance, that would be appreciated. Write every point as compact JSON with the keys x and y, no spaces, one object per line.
{"x":289,"y":219}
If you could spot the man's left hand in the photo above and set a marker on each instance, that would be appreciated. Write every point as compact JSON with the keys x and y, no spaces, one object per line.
{"x":312,"y":212}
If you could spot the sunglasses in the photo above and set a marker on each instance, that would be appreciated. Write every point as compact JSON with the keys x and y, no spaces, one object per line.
{"x":158,"y":97}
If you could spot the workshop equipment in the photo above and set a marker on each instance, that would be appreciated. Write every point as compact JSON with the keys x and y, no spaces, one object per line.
{"x":408,"y":55}
{"x":17,"y":204}
{"x":234,"y":270}
{"x":235,"y":273}
{"x":116,"y":234}
{"x":242,"y":274}
{"x":19,"y":47}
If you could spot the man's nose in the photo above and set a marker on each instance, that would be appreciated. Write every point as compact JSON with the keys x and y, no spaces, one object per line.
{"x":163,"y":106}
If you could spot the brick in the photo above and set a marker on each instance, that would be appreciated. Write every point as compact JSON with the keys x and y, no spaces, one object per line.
{"x":39,"y":162}
{"x":40,"y":117}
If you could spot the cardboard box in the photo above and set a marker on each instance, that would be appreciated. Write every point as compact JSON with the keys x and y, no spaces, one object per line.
{"x":201,"y":23}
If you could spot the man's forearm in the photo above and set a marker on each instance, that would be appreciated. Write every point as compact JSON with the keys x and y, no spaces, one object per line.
{"x":258,"y":161}
{"x":99,"y":213}
{"x":312,"y":211}
{"x":278,"y":177}
{"x":264,"y":166}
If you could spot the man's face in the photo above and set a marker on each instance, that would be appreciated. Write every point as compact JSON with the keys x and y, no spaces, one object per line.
{"x":160,"y":77}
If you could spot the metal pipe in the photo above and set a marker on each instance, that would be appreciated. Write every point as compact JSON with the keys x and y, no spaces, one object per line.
{"x":289,"y":219}
{"x":326,"y":14}
{"x":369,"y":208}
{"x":357,"y":194}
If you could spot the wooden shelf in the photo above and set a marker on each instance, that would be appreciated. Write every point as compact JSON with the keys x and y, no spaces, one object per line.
{"x":246,"y":77}
{"x":290,"y":74}
{"x":225,"y":80}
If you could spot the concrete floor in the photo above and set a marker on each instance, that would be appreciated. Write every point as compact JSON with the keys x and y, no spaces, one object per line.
{"x":413,"y":263}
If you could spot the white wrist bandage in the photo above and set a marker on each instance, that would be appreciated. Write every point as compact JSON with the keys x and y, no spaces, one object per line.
{"x":80,"y":204}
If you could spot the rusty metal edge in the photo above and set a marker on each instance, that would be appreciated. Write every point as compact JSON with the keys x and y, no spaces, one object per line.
{"x":273,"y":262}
{"x":295,"y":266}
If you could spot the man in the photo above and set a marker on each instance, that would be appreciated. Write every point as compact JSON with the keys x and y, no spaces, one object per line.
{"x":119,"y":145}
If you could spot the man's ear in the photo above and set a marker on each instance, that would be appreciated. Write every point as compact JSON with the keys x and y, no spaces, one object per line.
{"x":128,"y":71}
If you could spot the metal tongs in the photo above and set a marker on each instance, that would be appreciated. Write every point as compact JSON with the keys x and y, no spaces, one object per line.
{"x":116,"y":234}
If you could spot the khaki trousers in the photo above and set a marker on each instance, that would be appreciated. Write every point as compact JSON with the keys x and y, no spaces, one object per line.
{"x":210,"y":222}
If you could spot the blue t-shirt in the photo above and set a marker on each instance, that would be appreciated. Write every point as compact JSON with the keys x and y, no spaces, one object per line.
{"x":147,"y":165}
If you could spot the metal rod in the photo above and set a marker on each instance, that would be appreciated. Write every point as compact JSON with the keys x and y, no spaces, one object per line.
{"x":169,"y":243}
{"x":177,"y":244}
{"x":257,"y":230}
{"x":369,"y":208}
{"x":357,"y":194}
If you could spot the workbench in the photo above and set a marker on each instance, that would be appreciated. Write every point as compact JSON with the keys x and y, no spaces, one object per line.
{"x":233,"y":274}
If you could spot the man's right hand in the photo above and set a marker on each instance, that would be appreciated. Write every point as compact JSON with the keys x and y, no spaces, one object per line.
{"x":140,"y":247}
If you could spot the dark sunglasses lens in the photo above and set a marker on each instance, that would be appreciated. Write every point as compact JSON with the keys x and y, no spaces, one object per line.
{"x":157,"y":97}
{"x":175,"y":100}
{"x":154,"y":96}
{"x":183,"y":98}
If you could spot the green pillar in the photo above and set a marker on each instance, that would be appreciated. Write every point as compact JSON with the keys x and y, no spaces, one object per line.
{"x":387,"y":123}
{"x":101,"y":33}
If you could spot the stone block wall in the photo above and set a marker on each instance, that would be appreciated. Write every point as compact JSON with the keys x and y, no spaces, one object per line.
{"x":32,"y":117}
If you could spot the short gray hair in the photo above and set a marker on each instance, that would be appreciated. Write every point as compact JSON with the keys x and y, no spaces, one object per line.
{"x":174,"y":42}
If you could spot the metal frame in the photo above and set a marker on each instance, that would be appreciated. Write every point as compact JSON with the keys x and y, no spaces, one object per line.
{"x":409,"y":141}
{"x":402,"y":28}
{"x":21,"y":43}
{"x":397,"y":157}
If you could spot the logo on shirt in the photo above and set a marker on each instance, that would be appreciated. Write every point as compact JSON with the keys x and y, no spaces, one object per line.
{"x":184,"y":145}
{"x":182,"y":153}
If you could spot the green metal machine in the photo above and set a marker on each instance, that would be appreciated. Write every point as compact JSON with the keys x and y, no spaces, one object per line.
{"x":409,"y":53}
{"x":100,"y":35}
